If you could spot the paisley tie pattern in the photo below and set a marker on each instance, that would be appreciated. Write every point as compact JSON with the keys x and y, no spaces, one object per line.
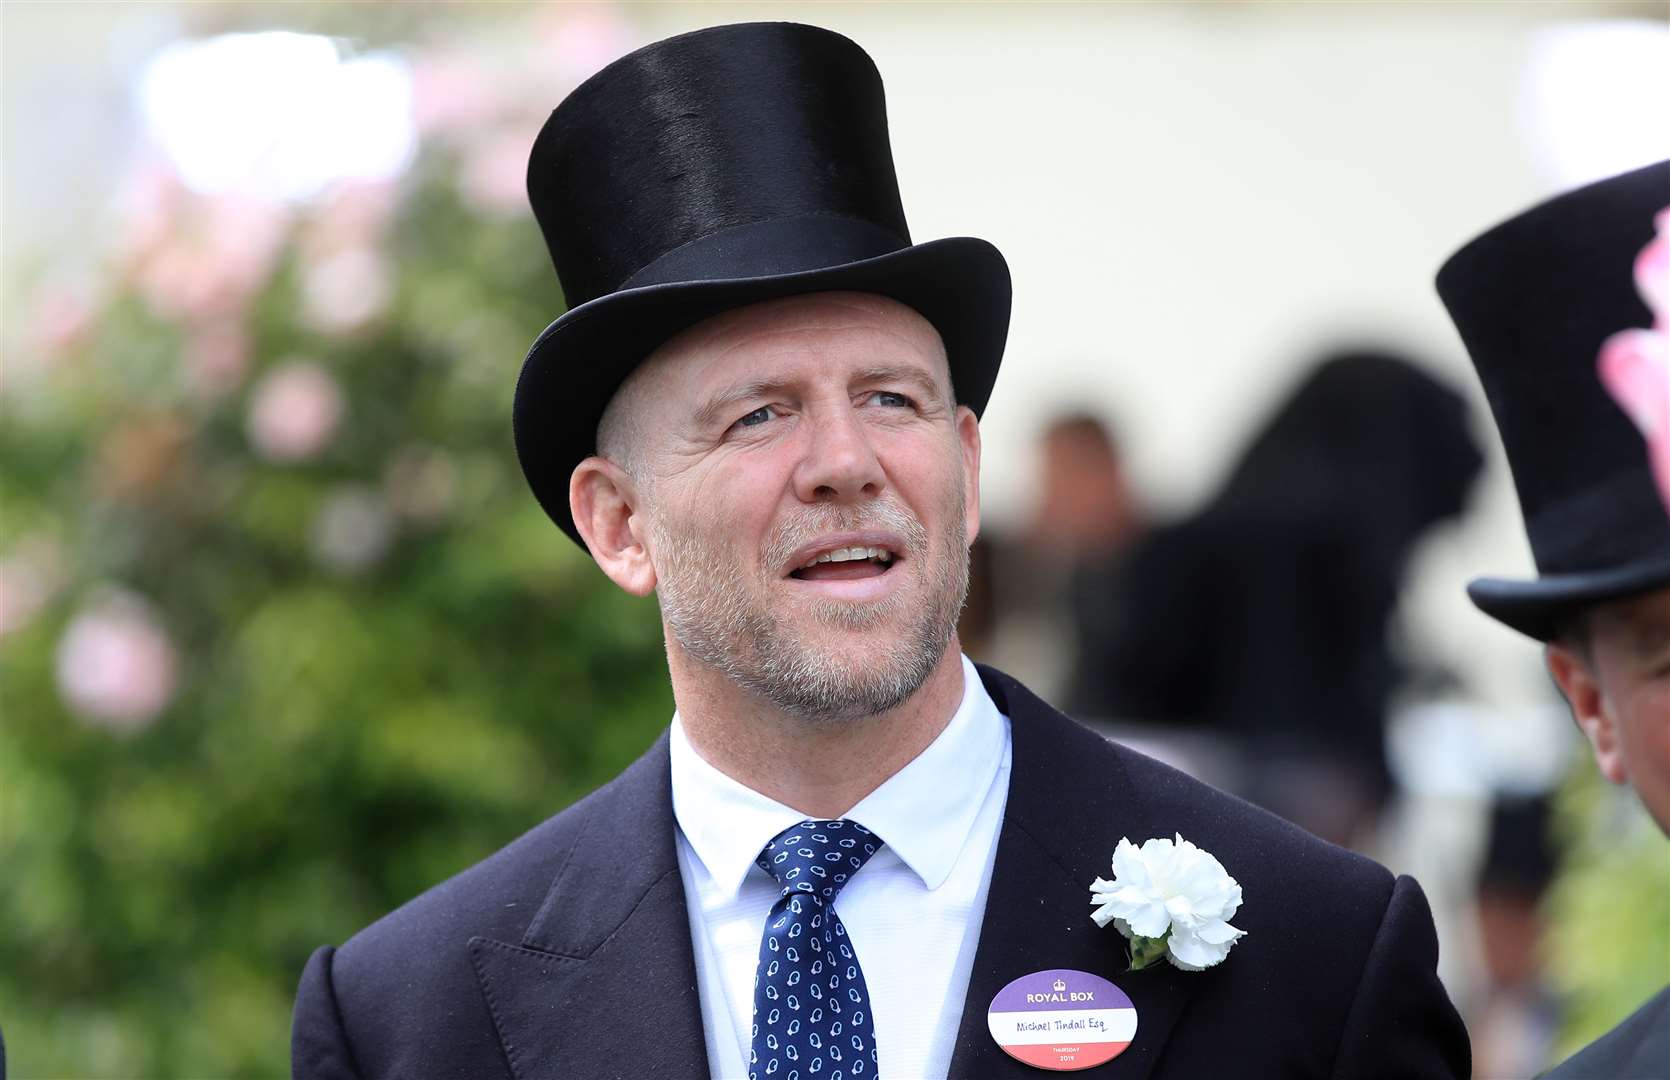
{"x":811,"y":1007}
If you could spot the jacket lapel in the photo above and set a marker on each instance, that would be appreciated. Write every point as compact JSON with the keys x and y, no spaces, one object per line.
{"x":603,"y":983}
{"x":1068,"y":805}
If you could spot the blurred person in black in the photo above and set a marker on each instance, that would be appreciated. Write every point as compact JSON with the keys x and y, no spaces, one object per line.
{"x":1264,"y":617}
{"x":1513,"y":1025}
{"x":1034,"y":594}
{"x":1086,"y":509}
{"x":1087,"y":521}
{"x":1535,"y":299}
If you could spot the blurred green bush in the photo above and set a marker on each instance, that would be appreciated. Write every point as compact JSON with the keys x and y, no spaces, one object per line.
{"x":285,"y":638}
{"x":1609,"y":909}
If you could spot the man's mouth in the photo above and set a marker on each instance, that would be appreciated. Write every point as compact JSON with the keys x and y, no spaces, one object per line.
{"x":846,"y":564}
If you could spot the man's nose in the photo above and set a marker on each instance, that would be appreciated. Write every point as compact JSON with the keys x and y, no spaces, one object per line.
{"x":840,"y":463}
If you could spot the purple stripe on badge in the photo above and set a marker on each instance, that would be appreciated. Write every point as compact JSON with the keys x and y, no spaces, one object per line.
{"x":1058,"y":989}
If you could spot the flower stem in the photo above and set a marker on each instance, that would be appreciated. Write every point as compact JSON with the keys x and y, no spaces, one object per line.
{"x":1146,"y":951}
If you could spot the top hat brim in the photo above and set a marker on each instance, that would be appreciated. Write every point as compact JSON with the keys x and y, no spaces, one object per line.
{"x":960,"y":285}
{"x":1544,"y":608}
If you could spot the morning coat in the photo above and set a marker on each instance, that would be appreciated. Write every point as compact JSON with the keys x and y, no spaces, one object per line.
{"x":1637,"y":1049}
{"x":557,"y":958}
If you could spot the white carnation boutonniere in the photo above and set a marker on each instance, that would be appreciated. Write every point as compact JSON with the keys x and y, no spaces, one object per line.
{"x":1172,"y":900}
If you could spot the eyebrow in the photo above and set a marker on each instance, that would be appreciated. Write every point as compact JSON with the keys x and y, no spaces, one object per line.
{"x":883,"y":373}
{"x":721,"y":404}
{"x":719,"y":407}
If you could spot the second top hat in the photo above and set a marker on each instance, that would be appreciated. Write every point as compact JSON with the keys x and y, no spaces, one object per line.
{"x":1534,"y":298}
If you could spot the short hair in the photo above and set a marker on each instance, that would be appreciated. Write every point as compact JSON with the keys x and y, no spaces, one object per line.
{"x":620,"y":432}
{"x":1575,"y":631}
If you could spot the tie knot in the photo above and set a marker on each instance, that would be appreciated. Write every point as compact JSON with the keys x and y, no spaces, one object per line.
{"x":818,"y":857}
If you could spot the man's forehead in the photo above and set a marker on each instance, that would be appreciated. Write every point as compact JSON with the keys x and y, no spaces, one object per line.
{"x":737,"y":344}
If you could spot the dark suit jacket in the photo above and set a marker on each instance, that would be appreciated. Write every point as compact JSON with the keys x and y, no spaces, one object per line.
{"x":559,"y":958}
{"x":1637,"y":1049}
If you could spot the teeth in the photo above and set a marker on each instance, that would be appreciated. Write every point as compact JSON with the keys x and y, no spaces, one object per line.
{"x":851,"y":553}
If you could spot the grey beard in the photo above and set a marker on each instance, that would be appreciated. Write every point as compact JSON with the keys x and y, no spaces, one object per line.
{"x":720,"y":623}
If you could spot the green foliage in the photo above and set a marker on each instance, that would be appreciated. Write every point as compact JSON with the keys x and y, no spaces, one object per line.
{"x":342,"y":736}
{"x":1609,"y":910}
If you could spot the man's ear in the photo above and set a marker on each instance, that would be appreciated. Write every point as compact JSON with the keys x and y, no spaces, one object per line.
{"x":1589,"y":708}
{"x":968,"y":442}
{"x":604,"y":501}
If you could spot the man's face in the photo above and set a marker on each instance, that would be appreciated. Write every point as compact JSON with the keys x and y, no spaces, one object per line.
{"x":1619,"y":691}
{"x":807,"y":491}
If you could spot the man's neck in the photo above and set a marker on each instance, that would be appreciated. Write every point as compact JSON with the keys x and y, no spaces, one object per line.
{"x":820,"y":768}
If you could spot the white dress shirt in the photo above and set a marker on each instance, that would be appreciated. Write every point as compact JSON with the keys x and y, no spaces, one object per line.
{"x":913,"y":912}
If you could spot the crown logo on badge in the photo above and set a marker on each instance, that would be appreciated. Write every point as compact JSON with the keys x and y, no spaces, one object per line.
{"x":1058,"y":986}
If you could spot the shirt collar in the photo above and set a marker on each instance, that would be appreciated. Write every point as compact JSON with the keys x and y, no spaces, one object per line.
{"x":924,"y":812}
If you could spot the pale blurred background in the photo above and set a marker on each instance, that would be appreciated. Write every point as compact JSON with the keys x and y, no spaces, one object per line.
{"x":265,"y":298}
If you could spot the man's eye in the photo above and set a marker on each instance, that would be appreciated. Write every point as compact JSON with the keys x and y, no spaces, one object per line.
{"x":889,"y":398}
{"x":755,"y":418}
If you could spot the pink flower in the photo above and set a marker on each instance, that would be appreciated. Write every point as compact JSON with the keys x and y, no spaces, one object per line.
{"x":352,"y":213}
{"x":1634,"y":364}
{"x":294,"y":411}
{"x":148,"y":209}
{"x":29,"y":574}
{"x":494,"y":180}
{"x":116,"y":666}
{"x":213,"y":260}
{"x":60,"y":320}
{"x":63,"y":318}
{"x":216,"y":357}
{"x":583,"y":38}
{"x":345,"y":289}
{"x":452,"y":93}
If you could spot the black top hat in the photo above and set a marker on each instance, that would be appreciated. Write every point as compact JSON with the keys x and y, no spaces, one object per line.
{"x":1534,"y":299}
{"x":707,"y":172}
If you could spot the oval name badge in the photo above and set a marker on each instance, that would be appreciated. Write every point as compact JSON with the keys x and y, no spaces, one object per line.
{"x":1062,"y":1020}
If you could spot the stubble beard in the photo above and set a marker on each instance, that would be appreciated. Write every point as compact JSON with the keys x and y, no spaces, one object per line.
{"x":722,"y":618}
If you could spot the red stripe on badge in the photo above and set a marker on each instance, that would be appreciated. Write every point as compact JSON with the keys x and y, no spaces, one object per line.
{"x":1062,"y":1058}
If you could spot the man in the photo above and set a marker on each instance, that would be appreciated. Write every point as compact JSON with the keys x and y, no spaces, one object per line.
{"x":1534,"y":299}
{"x":1266,"y":615}
{"x":763,"y":407}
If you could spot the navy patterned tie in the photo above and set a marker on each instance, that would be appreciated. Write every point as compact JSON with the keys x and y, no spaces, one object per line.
{"x":811,"y":1007}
